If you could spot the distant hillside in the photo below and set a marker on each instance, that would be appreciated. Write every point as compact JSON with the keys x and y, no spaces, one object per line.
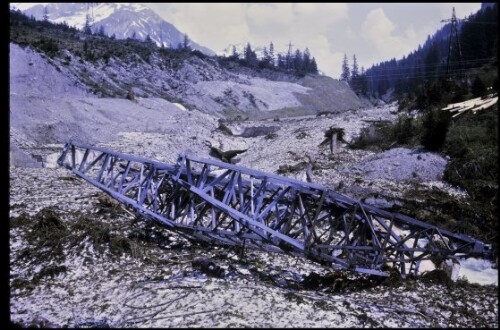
{"x":131,"y":68}
{"x":123,"y":20}
{"x":479,"y":46}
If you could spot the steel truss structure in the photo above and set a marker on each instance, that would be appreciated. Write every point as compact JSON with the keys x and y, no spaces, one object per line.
{"x":226,"y":204}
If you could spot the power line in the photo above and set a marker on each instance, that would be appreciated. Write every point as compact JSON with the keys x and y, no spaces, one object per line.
{"x":412,"y":76}
{"x":421,"y":66}
{"x":492,"y":23}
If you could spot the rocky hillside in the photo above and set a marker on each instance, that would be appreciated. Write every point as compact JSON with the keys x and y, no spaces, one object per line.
{"x":131,"y":68}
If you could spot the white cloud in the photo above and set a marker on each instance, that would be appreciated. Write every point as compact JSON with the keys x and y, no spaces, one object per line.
{"x":269,"y":14}
{"x":378,"y":30}
{"x":461,"y":9}
{"x":322,"y":12}
{"x":214,"y":25}
{"x":410,"y":32}
{"x":25,"y":6}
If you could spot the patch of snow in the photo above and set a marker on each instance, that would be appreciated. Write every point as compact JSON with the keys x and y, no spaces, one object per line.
{"x":479,"y":271}
{"x":180,"y":106}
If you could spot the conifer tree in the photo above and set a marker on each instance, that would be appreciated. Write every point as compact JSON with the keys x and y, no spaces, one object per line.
{"x":271,"y":54}
{"x":86,"y":27}
{"x":186,"y":42}
{"x":265,"y":59}
{"x":355,"y":70}
{"x":345,"y":75}
{"x":354,"y":81}
{"x":297,"y":61}
{"x":235,"y":54}
{"x":306,"y":60}
{"x":281,"y":62}
{"x":101,"y":32}
{"x":314,"y":66}
{"x":250,"y":56}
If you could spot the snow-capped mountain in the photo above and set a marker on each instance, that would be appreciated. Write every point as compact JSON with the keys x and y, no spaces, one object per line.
{"x":124,"y":20}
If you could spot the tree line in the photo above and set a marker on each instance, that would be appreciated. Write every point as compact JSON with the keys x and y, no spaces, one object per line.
{"x":298,"y":62}
{"x":353,"y":76}
{"x":478,"y":37}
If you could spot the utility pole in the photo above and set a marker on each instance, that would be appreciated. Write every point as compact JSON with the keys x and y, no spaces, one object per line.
{"x":454,"y":48}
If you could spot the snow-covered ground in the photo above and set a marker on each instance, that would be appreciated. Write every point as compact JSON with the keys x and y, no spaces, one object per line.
{"x":480,"y":271}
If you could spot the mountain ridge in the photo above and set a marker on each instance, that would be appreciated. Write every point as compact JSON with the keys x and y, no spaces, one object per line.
{"x":121,"y":20}
{"x":122,"y":68}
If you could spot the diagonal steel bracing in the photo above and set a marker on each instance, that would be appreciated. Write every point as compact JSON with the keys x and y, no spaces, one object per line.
{"x":232,"y":205}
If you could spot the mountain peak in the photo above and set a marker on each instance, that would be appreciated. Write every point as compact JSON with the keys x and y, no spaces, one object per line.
{"x":124,"y":20}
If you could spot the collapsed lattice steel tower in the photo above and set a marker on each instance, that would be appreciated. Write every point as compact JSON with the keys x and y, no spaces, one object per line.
{"x":225,"y":204}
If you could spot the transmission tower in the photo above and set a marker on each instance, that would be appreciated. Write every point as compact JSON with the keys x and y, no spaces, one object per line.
{"x":454,"y":49}
{"x":90,"y":12}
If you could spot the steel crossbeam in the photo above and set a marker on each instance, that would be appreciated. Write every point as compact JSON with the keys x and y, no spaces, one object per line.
{"x":222,"y":203}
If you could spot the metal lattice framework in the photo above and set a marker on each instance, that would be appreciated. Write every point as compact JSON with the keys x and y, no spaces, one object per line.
{"x":232,"y":205}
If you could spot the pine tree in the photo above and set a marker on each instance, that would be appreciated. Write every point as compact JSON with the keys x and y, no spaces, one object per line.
{"x":355,"y":70}
{"x":250,"y":56}
{"x":186,"y":42}
{"x":345,"y":75}
{"x":86,"y":28}
{"x":101,"y":32}
{"x":265,"y":54}
{"x":363,"y":82}
{"x":297,"y":61}
{"x":314,"y":66}
{"x":281,"y":62}
{"x":306,"y":60}
{"x":271,"y":54}
{"x":265,"y":59}
{"x":354,"y":82}
{"x":235,"y":54}
{"x":246,"y":51}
